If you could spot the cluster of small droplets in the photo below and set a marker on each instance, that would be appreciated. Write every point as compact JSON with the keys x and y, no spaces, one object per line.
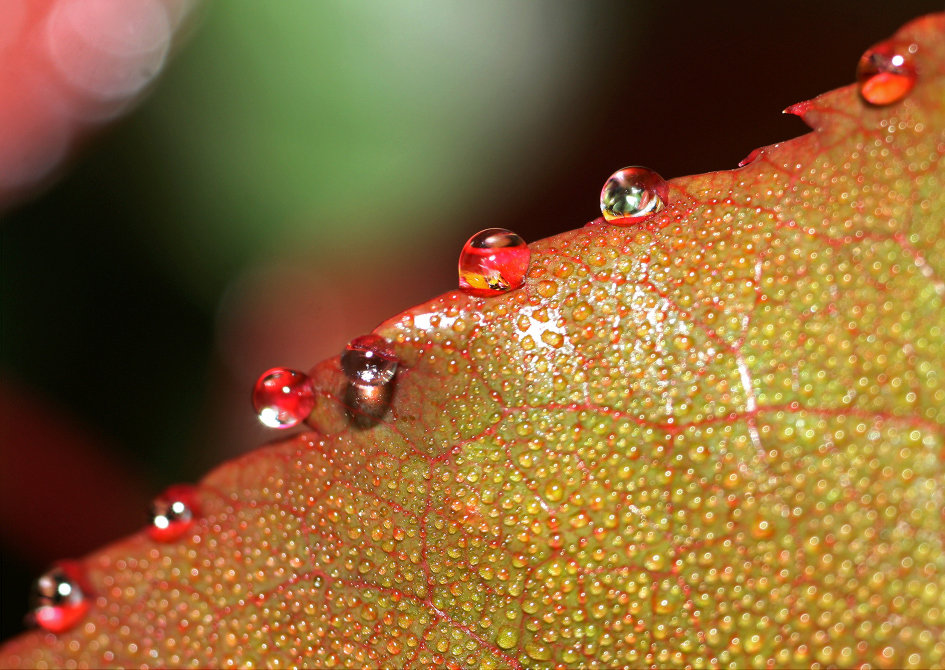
{"x":633,"y":194}
{"x":59,"y":598}
{"x":493,"y":261}
{"x":173,"y":513}
{"x":886,"y":72}
{"x":283,"y":398}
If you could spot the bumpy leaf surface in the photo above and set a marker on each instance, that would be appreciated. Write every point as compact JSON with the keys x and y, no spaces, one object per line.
{"x":715,"y":439}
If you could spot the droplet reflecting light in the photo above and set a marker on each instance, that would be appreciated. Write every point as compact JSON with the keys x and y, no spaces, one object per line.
{"x":367,"y":403}
{"x":283,"y":398}
{"x":886,"y":73}
{"x":493,"y":261}
{"x":633,"y":194}
{"x":369,"y":360}
{"x":172,"y":513}
{"x":59,"y":598}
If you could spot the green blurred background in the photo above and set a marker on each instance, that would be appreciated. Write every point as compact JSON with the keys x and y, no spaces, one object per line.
{"x":306,"y":169}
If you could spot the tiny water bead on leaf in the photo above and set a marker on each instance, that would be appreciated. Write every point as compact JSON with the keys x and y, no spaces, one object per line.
{"x":886,"y":72}
{"x":172,"y":513}
{"x":283,"y":398}
{"x":59,"y":598}
{"x":493,"y":261}
{"x":369,"y":360}
{"x":633,"y":194}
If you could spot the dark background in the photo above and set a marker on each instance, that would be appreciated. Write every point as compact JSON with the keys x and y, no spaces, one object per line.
{"x":117,"y":375}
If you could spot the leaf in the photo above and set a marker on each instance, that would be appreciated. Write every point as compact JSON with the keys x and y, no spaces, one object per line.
{"x":715,"y":439}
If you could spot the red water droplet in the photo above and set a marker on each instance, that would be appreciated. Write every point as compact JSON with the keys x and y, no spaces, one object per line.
{"x":493,"y":261}
{"x":633,"y":194}
{"x":60,"y":597}
{"x":283,"y":398}
{"x":173,"y":512}
{"x":886,"y":72}
{"x":369,"y":360}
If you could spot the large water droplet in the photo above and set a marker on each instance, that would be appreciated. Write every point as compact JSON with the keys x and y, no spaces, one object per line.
{"x":172,"y":513}
{"x":886,"y":72}
{"x":59,"y":598}
{"x":493,"y":261}
{"x":633,"y":194}
{"x":367,"y":403}
{"x":283,"y":398}
{"x":369,"y":360}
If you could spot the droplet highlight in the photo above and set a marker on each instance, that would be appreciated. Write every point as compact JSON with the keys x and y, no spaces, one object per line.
{"x":493,"y":261}
{"x":173,"y":513}
{"x":886,"y":73}
{"x":369,"y":360}
{"x":283,"y":398}
{"x":60,"y":599}
{"x":633,"y":194}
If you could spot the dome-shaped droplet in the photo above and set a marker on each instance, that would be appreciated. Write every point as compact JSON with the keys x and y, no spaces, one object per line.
{"x":283,"y":398}
{"x":493,"y":261}
{"x":172,"y":513}
{"x":367,"y":404}
{"x":59,"y":598}
{"x":886,"y":72}
{"x":633,"y":194}
{"x":369,"y":360}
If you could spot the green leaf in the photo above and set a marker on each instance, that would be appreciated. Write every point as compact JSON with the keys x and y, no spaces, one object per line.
{"x":714,"y":439}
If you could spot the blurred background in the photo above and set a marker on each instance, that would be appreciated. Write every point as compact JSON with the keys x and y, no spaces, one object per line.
{"x":295,"y":173}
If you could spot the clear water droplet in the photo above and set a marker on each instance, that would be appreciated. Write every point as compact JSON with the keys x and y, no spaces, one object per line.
{"x":369,"y":360}
{"x":886,"y":73}
{"x":173,"y":512}
{"x":59,"y":598}
{"x":507,"y":637}
{"x":283,"y":398}
{"x":633,"y":194}
{"x":493,"y":261}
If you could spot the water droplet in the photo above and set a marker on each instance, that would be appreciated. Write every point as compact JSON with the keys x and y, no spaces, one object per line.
{"x":369,"y":360}
{"x":172,"y":513}
{"x":655,"y":562}
{"x":538,"y":651}
{"x":367,"y":403}
{"x":507,"y":637}
{"x":283,"y":398}
{"x":633,"y":194}
{"x":59,"y":598}
{"x":886,"y":73}
{"x":493,"y":261}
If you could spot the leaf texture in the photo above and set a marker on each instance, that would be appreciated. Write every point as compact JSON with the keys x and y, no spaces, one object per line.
{"x":716,"y":439}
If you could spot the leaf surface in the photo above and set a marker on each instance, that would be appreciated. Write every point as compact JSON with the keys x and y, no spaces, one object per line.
{"x":714,"y":439}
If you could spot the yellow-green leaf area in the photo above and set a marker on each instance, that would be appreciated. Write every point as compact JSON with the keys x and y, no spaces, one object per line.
{"x":714,"y":439}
